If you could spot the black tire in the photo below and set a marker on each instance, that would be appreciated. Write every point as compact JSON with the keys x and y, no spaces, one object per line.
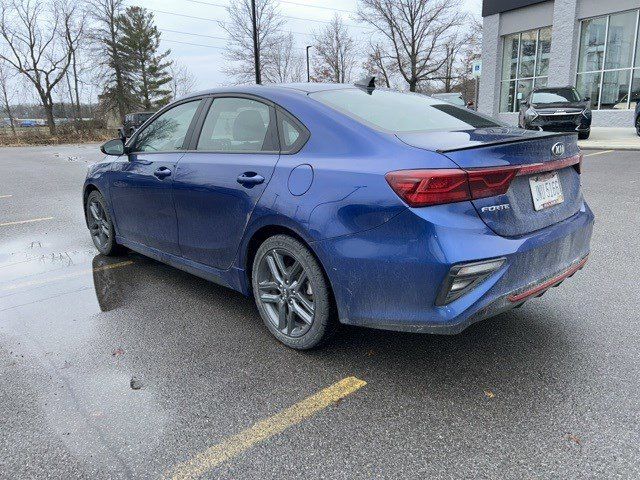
{"x":286,"y":295}
{"x":638,"y":126}
{"x":100,"y":225}
{"x":584,"y":135}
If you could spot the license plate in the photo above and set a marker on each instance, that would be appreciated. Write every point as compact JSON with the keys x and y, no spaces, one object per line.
{"x":546,"y":190}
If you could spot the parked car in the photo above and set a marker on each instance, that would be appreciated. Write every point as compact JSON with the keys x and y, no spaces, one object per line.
{"x":133,"y":121}
{"x":345,"y":203}
{"x":556,"y":109}
{"x":28,"y":123}
{"x":455,"y":98}
{"x":637,"y":118}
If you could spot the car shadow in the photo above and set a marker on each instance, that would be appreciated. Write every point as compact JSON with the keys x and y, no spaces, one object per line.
{"x":524,"y":344}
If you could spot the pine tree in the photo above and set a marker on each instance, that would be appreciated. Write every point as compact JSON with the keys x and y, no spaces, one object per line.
{"x":118,"y":79}
{"x":141,"y":41}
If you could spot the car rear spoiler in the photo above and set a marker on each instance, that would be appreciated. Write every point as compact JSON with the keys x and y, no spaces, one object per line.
{"x":505,"y":141}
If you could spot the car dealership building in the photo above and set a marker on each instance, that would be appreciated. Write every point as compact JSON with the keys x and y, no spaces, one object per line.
{"x":593,"y":45}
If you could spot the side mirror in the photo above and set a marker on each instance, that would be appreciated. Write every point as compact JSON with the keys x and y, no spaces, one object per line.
{"x":586,"y":99}
{"x":113,"y":147}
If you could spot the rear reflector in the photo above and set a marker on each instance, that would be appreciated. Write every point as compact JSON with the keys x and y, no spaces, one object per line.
{"x":421,"y":188}
{"x":461,"y":279}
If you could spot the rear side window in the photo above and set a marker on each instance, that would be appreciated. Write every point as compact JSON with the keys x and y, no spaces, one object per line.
{"x":238,"y":125}
{"x":168,"y":131}
{"x":402,"y":112}
{"x":293,"y":135}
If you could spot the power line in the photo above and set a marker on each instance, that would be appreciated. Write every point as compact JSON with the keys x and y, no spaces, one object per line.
{"x":194,"y":44}
{"x":200,"y":2}
{"x":194,"y":34}
{"x":209,"y":19}
{"x":318,"y":6}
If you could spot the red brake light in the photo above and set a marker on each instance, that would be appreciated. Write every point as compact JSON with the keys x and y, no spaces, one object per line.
{"x":420,"y":188}
{"x":489,"y":182}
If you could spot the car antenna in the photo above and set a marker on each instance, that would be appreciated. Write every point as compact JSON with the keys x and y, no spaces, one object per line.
{"x":368,"y":84}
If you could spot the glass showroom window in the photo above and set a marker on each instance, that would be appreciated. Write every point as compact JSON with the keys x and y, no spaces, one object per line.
{"x":525,"y":65}
{"x":609,"y":60}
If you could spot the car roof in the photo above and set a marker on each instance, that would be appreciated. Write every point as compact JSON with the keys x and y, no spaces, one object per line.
{"x":301,"y":87}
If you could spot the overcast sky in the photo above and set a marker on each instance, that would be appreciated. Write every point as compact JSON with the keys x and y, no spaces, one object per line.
{"x":200,"y":22}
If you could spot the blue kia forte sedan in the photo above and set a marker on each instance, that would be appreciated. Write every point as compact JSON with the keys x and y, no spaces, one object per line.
{"x":346,"y":204}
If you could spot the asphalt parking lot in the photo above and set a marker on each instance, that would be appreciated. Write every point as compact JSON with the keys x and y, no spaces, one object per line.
{"x":127,"y":368}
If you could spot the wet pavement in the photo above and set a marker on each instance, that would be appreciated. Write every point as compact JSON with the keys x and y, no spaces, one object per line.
{"x":547,"y":391}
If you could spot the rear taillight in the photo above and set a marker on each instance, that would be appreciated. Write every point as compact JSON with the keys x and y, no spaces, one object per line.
{"x":489,"y":182}
{"x":420,"y":188}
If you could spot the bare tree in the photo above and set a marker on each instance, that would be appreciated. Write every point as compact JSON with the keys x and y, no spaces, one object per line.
{"x":380,"y":64}
{"x":283,"y":63}
{"x":239,"y":52}
{"x":448,"y":73}
{"x":5,"y":88}
{"x":416,"y":31}
{"x":334,"y":52}
{"x":182,"y":80}
{"x":41,"y":42}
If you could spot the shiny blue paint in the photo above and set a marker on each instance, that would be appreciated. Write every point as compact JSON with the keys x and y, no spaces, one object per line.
{"x":385,"y":261}
{"x":300,"y":179}
{"x":212,"y":207}
{"x":134,"y":188}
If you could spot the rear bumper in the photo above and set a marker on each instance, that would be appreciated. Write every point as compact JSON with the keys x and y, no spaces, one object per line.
{"x":389,"y":277}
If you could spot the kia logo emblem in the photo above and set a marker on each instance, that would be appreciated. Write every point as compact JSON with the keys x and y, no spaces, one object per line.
{"x":557,"y":149}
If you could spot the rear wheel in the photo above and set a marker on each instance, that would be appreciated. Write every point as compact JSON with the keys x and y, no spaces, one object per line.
{"x":291,"y":293}
{"x":100,"y":225}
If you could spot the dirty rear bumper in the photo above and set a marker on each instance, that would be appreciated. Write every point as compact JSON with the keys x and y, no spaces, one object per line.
{"x":389,"y":277}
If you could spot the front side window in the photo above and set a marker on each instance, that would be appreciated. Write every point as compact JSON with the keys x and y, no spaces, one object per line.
{"x":525,"y":66}
{"x":608,"y":60}
{"x":402,"y":112}
{"x":237,"y":125}
{"x":167,"y":133}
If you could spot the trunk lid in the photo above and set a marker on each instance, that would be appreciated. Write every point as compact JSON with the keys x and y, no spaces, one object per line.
{"x":513,"y":213}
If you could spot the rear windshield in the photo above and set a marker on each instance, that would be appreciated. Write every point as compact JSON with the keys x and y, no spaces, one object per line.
{"x":402,"y":112}
{"x":561,"y":95}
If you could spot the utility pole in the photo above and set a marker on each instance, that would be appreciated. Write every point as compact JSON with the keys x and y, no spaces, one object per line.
{"x":308,"y":75}
{"x":256,"y":53}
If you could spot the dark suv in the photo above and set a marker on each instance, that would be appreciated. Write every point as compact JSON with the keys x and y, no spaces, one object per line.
{"x":637,"y":118}
{"x":556,"y":109}
{"x":132,"y":122}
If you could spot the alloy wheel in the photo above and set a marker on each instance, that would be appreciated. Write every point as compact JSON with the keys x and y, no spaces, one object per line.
{"x":99,"y":224}
{"x":285,"y":292}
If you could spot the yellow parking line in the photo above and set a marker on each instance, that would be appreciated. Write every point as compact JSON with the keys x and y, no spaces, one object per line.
{"x":31,"y":283}
{"x":6,"y":196}
{"x":599,"y":153}
{"x":20,"y":222}
{"x":263,"y":430}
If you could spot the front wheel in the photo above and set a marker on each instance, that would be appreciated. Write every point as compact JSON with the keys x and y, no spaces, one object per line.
{"x":100,"y":225}
{"x":292,"y":293}
{"x":584,"y":135}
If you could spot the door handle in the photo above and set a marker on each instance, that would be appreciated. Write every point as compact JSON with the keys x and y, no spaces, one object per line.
{"x":249,"y":179}
{"x":162,"y":172}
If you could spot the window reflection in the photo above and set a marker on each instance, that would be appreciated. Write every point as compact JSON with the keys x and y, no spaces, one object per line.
{"x":525,"y":65}
{"x":605,"y":60}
